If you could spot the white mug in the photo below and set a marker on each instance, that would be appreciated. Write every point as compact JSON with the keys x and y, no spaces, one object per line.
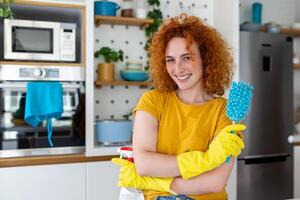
{"x":141,"y":13}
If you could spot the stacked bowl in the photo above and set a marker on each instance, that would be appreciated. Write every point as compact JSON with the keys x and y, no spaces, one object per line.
{"x":134,"y":71}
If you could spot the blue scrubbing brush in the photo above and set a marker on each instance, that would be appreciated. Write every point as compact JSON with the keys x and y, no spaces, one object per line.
{"x":238,"y":103}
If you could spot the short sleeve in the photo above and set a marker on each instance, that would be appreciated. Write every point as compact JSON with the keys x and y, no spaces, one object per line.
{"x":152,"y":102}
{"x":223,"y":120}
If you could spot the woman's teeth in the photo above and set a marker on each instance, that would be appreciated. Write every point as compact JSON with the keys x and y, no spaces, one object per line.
{"x":182,"y":77}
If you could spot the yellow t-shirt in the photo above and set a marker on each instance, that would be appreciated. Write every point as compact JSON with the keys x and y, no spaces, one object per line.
{"x":184,"y":127}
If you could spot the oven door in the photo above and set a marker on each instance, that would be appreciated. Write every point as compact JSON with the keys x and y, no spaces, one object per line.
{"x":68,"y":133}
{"x":15,"y":134}
{"x":31,"y":40}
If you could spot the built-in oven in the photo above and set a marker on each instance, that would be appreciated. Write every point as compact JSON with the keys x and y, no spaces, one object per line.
{"x":17,"y":138}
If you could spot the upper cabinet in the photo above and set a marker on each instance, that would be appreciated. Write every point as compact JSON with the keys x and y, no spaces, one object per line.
{"x":44,"y":33}
{"x":46,"y":41}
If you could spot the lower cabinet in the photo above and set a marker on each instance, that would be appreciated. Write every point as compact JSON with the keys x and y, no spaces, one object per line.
{"x":102,"y":179}
{"x":297,"y":172}
{"x":79,"y":181}
{"x":45,"y":182}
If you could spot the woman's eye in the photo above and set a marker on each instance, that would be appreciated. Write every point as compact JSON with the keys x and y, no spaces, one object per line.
{"x":169,"y":60}
{"x":186,"y":58}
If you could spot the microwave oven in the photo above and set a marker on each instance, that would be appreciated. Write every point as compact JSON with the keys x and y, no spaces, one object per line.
{"x":33,"y":40}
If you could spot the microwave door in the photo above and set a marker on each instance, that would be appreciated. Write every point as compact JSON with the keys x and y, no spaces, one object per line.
{"x":31,"y":40}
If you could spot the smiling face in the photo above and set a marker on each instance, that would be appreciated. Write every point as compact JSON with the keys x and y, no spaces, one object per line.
{"x":184,"y":65}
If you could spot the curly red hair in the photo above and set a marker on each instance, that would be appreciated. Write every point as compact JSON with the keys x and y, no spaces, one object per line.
{"x":216,"y":56}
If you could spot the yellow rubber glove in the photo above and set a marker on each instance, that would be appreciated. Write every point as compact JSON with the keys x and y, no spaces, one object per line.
{"x":225,"y":144}
{"x":128,"y":177}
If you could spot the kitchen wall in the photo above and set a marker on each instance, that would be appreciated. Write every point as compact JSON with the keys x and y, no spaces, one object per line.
{"x":279,"y":11}
{"x":297,"y":8}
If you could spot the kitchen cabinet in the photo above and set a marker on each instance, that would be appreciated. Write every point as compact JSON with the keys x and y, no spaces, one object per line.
{"x":102,"y":179}
{"x":297,"y":171}
{"x":46,"y":182}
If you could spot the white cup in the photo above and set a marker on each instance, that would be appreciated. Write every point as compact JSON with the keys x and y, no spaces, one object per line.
{"x":141,"y":13}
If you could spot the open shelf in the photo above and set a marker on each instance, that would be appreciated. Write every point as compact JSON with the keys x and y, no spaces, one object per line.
{"x":296,"y":66}
{"x":289,"y":31}
{"x":114,"y":83}
{"x":99,"y":19}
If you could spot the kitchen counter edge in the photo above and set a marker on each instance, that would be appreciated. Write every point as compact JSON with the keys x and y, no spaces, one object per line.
{"x":55,"y":159}
{"x":296,"y":143}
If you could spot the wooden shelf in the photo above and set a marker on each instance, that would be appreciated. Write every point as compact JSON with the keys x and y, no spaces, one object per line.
{"x":41,"y":63}
{"x":296,"y":66}
{"x":99,"y":19}
{"x":115,"y":83}
{"x":289,"y":31}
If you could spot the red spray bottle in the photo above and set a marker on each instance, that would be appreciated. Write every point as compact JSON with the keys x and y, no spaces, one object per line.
{"x":129,"y":193}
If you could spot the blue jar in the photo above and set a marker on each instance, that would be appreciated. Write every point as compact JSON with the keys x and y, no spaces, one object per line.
{"x":256,"y":13}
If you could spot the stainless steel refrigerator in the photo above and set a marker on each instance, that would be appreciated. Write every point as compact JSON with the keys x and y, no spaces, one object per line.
{"x":265,"y":168}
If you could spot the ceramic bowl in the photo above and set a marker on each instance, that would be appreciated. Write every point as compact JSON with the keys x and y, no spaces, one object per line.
{"x":272,"y":27}
{"x":250,"y":27}
{"x":134,"y":75}
{"x":134,"y":65}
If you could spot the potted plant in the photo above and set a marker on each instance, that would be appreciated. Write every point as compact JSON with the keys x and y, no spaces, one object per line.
{"x":106,"y":71}
{"x":5,"y":10}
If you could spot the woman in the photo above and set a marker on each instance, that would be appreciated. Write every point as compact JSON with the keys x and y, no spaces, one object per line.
{"x":181,"y":135}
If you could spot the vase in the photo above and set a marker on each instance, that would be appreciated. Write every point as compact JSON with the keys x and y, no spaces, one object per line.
{"x":106,"y":72}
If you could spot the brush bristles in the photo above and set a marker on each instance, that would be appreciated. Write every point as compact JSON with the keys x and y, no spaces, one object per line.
{"x":239,"y":100}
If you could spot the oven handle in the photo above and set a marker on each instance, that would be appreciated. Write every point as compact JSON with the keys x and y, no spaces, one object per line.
{"x":12,"y":85}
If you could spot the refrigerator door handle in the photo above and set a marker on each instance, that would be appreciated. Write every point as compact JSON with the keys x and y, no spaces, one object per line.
{"x":269,"y":158}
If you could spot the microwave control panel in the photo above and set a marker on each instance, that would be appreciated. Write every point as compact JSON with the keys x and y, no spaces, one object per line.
{"x":68,"y":42}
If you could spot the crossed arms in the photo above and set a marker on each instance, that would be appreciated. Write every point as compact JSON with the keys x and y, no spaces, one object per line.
{"x":150,"y":163}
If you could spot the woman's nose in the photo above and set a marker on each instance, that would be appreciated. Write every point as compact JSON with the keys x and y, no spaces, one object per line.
{"x":178,"y":67}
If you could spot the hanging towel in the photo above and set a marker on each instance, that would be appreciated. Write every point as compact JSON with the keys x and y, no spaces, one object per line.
{"x":44,"y":101}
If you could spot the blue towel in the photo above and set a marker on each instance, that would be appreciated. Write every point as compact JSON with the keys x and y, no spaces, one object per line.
{"x":44,"y":101}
